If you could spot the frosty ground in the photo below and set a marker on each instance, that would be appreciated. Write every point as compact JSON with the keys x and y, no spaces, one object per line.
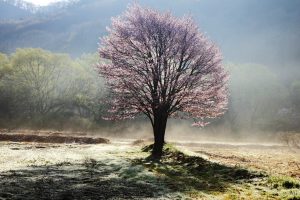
{"x":35,"y":171}
{"x":119,"y":171}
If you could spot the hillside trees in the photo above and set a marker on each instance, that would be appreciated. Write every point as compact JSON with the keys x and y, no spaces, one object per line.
{"x":36,"y":74}
{"x":5,"y":69}
{"x":256,"y":97}
{"x":290,"y":115}
{"x":4,"y":65}
{"x":91,"y":87}
{"x":37,"y":85}
{"x":162,"y":67}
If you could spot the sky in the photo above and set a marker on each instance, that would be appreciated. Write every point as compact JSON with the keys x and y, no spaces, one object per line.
{"x":42,"y":2}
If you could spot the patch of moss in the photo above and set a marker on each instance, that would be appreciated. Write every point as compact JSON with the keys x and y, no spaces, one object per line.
{"x":284,"y":182}
{"x":294,"y":198}
{"x":290,"y":194}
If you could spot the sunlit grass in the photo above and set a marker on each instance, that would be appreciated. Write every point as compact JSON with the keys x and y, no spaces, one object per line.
{"x":178,"y":175}
{"x":202,"y":179}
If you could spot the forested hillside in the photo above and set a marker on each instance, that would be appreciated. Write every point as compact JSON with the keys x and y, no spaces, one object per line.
{"x":269,"y":37}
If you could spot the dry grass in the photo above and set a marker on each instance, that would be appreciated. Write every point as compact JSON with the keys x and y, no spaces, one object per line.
{"x":200,"y":178}
{"x":273,"y":159}
{"x":119,"y":170}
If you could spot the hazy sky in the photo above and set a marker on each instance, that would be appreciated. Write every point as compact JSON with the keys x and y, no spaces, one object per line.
{"x":42,"y":2}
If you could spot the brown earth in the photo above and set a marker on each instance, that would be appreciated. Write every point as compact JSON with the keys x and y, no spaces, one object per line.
{"x":51,"y":139}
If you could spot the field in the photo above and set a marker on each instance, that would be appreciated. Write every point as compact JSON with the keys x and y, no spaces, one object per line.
{"x":271,"y":158}
{"x":120,"y":170}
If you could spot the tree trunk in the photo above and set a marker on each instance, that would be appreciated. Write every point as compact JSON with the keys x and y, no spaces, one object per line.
{"x":159,"y":128}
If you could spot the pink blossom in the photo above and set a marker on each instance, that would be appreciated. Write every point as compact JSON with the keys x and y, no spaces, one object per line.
{"x":162,"y":64}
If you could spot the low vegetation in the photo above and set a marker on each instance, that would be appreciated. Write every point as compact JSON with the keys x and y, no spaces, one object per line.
{"x":72,"y":171}
{"x":200,"y":178}
{"x":110,"y":171}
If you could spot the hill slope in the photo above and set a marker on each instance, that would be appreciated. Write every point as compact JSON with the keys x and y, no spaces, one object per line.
{"x":248,"y":31}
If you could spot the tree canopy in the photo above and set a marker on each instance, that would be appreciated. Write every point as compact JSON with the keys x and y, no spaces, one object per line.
{"x":162,"y":66}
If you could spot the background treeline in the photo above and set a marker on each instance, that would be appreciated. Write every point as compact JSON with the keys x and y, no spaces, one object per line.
{"x":41,"y":89}
{"x":261,"y":100}
{"x":47,"y":90}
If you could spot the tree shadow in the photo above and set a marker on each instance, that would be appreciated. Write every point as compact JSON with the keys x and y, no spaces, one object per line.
{"x":89,"y":180}
{"x":186,"y":173}
{"x":112,"y":178}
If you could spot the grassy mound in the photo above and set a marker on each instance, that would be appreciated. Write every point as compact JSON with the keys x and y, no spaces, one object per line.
{"x":202,"y":179}
{"x":195,"y":173}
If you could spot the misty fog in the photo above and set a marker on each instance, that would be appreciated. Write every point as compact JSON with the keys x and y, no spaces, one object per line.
{"x":259,"y":42}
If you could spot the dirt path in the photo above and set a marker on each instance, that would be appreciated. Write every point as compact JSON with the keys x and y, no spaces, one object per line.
{"x":43,"y":171}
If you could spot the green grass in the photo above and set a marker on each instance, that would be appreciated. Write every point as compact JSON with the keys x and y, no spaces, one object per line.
{"x":284,"y":182}
{"x":288,"y":187}
{"x":202,"y":179}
